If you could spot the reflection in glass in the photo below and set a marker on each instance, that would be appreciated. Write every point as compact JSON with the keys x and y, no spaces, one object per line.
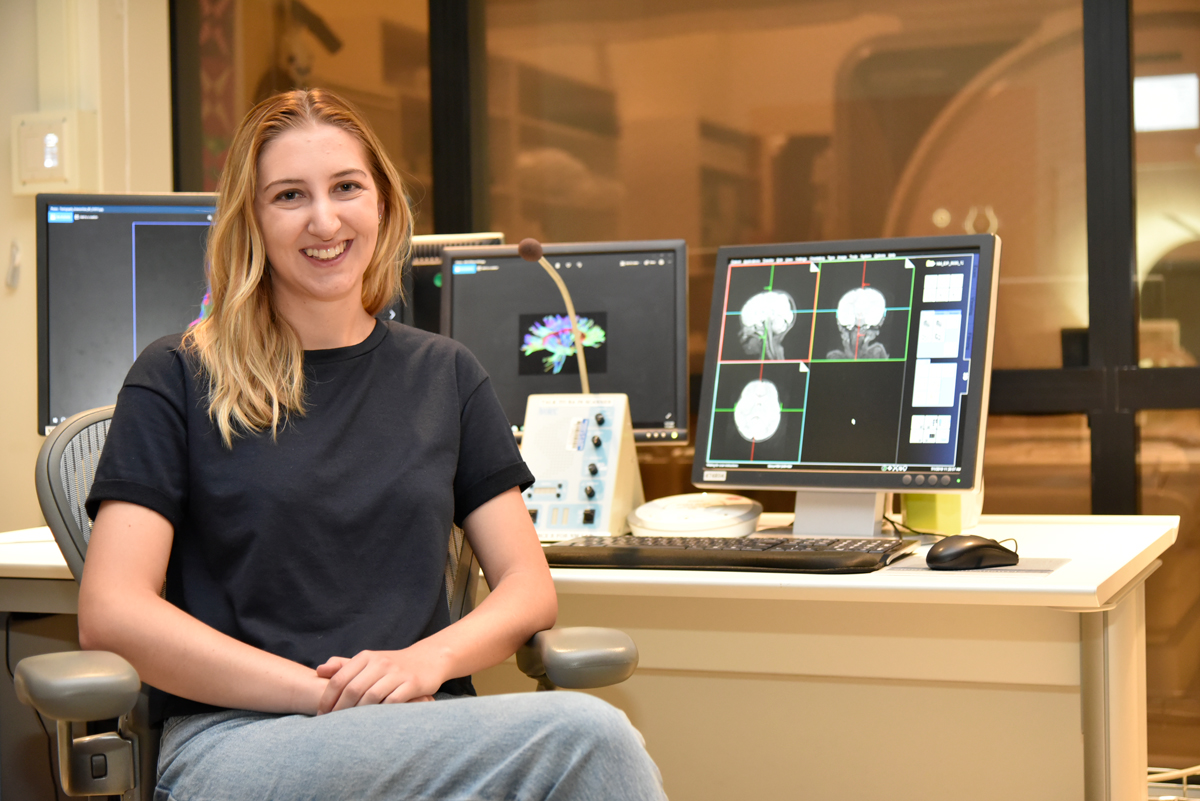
{"x":773,"y":122}
{"x":1170,"y":474}
{"x":1166,"y":65}
{"x":375,"y":53}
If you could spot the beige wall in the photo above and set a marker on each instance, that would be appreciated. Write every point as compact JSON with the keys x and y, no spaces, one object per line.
{"x":111,"y":56}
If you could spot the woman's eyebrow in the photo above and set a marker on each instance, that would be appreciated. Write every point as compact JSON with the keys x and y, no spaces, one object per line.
{"x":335,"y":176}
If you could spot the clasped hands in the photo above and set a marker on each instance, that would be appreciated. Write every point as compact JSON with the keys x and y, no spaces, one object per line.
{"x":376,"y":677}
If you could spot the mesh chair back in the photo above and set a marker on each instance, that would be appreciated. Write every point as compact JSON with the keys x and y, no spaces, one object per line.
{"x":66,"y":467}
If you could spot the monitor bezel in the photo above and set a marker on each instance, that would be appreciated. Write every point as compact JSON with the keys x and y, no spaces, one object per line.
{"x":975,"y":415}
{"x":43,"y":202}
{"x":679,"y":246}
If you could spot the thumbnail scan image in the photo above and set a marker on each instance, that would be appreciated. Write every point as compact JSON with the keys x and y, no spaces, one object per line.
{"x":765,"y":319}
{"x":552,"y":335}
{"x":861,"y":313}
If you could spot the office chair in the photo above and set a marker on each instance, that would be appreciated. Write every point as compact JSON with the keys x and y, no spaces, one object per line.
{"x":73,"y":688}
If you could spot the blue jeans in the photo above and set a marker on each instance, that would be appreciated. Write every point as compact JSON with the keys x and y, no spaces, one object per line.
{"x":549,"y":745}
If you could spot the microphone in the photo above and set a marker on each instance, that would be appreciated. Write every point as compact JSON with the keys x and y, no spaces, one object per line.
{"x":531,"y":250}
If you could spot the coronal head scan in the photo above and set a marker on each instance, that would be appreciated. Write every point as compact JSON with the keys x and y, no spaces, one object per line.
{"x":860,"y":315}
{"x":766,"y":318}
{"x":757,"y":413}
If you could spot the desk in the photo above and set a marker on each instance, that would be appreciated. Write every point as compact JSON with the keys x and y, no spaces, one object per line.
{"x":900,"y":684}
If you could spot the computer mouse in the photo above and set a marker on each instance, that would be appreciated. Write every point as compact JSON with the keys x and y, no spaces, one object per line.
{"x":968,"y":552}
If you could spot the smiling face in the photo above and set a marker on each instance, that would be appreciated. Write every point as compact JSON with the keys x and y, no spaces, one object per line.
{"x":318,"y":209}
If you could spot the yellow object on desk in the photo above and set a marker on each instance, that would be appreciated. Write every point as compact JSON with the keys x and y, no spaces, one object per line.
{"x":942,"y":513}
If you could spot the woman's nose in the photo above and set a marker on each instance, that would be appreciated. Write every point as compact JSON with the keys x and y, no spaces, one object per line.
{"x":323,"y":222}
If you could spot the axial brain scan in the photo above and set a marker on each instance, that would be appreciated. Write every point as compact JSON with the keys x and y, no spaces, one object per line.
{"x":757,"y":413}
{"x":766,"y":318}
{"x":860,"y":315}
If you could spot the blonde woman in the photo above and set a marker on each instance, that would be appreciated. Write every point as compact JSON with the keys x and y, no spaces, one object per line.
{"x":289,"y":470}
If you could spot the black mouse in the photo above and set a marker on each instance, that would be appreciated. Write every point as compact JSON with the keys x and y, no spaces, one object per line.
{"x":968,"y":552}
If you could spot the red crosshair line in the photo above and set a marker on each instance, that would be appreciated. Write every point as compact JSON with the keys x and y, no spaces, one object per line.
{"x":858,"y":328}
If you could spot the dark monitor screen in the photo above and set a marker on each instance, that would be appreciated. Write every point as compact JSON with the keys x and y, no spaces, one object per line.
{"x":631,"y":302}
{"x":115,"y":273}
{"x":848,"y":365}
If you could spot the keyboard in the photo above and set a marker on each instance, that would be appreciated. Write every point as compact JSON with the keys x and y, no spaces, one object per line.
{"x":774,"y":554}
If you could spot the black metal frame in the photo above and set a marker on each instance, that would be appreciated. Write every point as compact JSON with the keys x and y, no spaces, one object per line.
{"x":1110,"y":389}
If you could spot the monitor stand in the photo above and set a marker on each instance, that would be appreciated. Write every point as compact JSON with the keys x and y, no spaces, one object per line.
{"x":841,"y":514}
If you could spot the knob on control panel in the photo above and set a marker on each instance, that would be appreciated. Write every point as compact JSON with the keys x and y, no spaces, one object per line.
{"x":596,"y":440}
{"x":599,"y":418}
{"x":589,"y":491}
{"x":593,"y":469}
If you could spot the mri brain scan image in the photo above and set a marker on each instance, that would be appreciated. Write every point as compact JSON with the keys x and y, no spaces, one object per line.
{"x":860,"y":315}
{"x":553,"y":335}
{"x":766,"y":318}
{"x":757,"y":413}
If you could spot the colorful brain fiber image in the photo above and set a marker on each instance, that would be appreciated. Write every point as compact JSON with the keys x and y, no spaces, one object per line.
{"x":552,"y":335}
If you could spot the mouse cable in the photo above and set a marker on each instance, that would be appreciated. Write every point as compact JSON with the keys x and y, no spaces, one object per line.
{"x":896,"y":524}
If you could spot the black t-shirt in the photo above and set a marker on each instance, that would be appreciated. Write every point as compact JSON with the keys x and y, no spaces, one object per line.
{"x":331,"y":538}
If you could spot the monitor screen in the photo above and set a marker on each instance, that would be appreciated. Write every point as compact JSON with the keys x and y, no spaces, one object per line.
{"x":631,"y":303}
{"x":857,"y":365}
{"x":115,"y":273}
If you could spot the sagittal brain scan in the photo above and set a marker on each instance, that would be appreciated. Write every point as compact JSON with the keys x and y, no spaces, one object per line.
{"x":765,"y":319}
{"x":861,"y":313}
{"x":757,"y":413}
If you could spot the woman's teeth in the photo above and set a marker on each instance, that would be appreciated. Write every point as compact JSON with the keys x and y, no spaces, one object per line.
{"x":326,"y":253}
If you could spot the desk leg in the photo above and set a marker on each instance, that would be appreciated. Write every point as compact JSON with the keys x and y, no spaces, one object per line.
{"x":1113,"y":679}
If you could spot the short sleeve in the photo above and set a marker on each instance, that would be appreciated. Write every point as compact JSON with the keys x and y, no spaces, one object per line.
{"x":489,"y":462}
{"x":144,"y":460}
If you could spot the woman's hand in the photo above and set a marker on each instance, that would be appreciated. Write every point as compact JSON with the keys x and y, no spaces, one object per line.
{"x":377,"y":677}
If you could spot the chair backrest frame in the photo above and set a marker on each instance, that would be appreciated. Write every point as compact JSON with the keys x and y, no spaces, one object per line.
{"x":62,"y":487}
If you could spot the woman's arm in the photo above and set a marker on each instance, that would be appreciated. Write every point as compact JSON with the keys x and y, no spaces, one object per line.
{"x":521,"y":603}
{"x":120,"y":610}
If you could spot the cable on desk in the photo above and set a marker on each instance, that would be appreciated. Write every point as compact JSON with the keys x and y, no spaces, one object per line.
{"x":12,"y":680}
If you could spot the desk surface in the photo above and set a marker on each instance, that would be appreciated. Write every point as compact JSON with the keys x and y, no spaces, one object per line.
{"x":31,"y":553}
{"x":1104,"y":555}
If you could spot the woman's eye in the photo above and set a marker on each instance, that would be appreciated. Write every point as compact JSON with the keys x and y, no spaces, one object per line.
{"x":289,"y":195}
{"x":348,"y":186}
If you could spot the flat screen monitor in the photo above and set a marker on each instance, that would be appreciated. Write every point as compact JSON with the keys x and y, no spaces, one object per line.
{"x":846,"y":370}
{"x":422,"y":303}
{"x":631,"y":302}
{"x":115,"y":273}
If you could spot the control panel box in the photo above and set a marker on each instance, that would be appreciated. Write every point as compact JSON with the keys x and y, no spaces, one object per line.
{"x":582,"y":454}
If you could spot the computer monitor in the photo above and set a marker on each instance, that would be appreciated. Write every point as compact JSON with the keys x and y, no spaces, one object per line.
{"x":847,"y":370}
{"x":115,"y":272}
{"x":631,"y":302}
{"x":422,"y":304}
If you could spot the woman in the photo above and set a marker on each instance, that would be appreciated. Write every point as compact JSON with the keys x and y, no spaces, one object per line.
{"x":288,"y":471}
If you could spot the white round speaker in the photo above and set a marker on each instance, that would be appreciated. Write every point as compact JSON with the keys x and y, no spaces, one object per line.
{"x":700,"y":514}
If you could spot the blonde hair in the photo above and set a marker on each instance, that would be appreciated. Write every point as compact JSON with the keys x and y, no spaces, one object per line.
{"x":253,"y":359}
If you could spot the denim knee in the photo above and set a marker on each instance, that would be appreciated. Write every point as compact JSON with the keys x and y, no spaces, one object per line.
{"x":585,"y":718}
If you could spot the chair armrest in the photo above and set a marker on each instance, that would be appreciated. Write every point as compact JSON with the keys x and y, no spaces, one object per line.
{"x":77,"y":685}
{"x":579,"y":658}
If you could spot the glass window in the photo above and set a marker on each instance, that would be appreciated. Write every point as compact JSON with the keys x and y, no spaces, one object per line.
{"x":1166,"y":90}
{"x":1169,"y":463}
{"x":1038,"y":465}
{"x":375,"y":53}
{"x":771,"y":121}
